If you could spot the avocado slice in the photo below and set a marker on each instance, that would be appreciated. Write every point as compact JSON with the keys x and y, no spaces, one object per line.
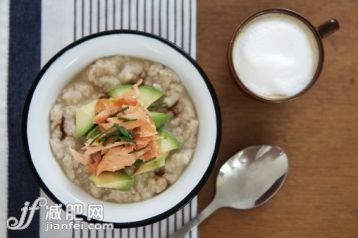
{"x":168,"y":143}
{"x":84,"y":119}
{"x":159,"y":118}
{"x":151,"y":165}
{"x":116,"y":180}
{"x":119,"y":90}
{"x":147,"y":94}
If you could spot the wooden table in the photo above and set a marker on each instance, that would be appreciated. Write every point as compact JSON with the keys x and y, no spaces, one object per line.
{"x":319,"y":131}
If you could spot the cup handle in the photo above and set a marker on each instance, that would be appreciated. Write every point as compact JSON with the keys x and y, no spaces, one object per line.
{"x":327,"y":28}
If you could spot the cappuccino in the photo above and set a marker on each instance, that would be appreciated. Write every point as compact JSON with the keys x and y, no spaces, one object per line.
{"x":275,"y":55}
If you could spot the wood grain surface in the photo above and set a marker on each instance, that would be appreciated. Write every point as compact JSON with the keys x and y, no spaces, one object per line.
{"x":319,"y":131}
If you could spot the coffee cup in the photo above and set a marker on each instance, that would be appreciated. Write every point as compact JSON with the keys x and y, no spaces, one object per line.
{"x":276,"y":55}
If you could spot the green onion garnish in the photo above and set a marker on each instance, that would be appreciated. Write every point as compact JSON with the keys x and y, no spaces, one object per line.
{"x":119,"y":134}
{"x":123,"y":131}
{"x":137,"y":150}
{"x":157,"y":105}
{"x":101,"y":134}
{"x":125,"y":119}
{"x":119,"y":111}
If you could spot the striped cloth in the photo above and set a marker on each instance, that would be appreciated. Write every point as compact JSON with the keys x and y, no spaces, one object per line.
{"x":31,"y":32}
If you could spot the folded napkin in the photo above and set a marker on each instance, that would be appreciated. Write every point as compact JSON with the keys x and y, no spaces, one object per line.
{"x":31,"y":33}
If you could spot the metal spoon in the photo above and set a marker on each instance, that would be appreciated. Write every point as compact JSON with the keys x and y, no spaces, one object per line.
{"x":247,"y":180}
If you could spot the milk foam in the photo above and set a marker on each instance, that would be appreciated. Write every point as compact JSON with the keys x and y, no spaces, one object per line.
{"x":275,"y":55}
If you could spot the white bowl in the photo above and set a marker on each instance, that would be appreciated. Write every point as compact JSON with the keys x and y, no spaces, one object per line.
{"x":72,"y":59}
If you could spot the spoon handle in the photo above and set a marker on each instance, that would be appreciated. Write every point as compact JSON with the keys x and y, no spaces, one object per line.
{"x":212,"y":207}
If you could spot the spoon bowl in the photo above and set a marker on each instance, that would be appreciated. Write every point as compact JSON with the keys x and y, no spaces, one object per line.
{"x":251,"y":177}
{"x":247,"y":180}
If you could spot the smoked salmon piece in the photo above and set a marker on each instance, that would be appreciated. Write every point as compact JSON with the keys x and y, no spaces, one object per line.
{"x":116,"y":159}
{"x":94,"y":161}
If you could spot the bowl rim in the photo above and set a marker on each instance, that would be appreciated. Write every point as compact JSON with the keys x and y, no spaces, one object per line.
{"x":213,"y":96}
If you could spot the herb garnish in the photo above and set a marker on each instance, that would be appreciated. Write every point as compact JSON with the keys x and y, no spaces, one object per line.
{"x":93,"y":132}
{"x":124,"y":131}
{"x":119,"y":111}
{"x":101,"y":134}
{"x":137,"y":150}
{"x":125,"y":119}
{"x":119,"y":134}
{"x":157,"y":105}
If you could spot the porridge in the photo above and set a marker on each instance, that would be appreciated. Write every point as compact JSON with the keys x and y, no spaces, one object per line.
{"x":124,"y":129}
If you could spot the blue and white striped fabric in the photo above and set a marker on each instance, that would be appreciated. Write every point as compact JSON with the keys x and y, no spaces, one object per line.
{"x":31,"y":32}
